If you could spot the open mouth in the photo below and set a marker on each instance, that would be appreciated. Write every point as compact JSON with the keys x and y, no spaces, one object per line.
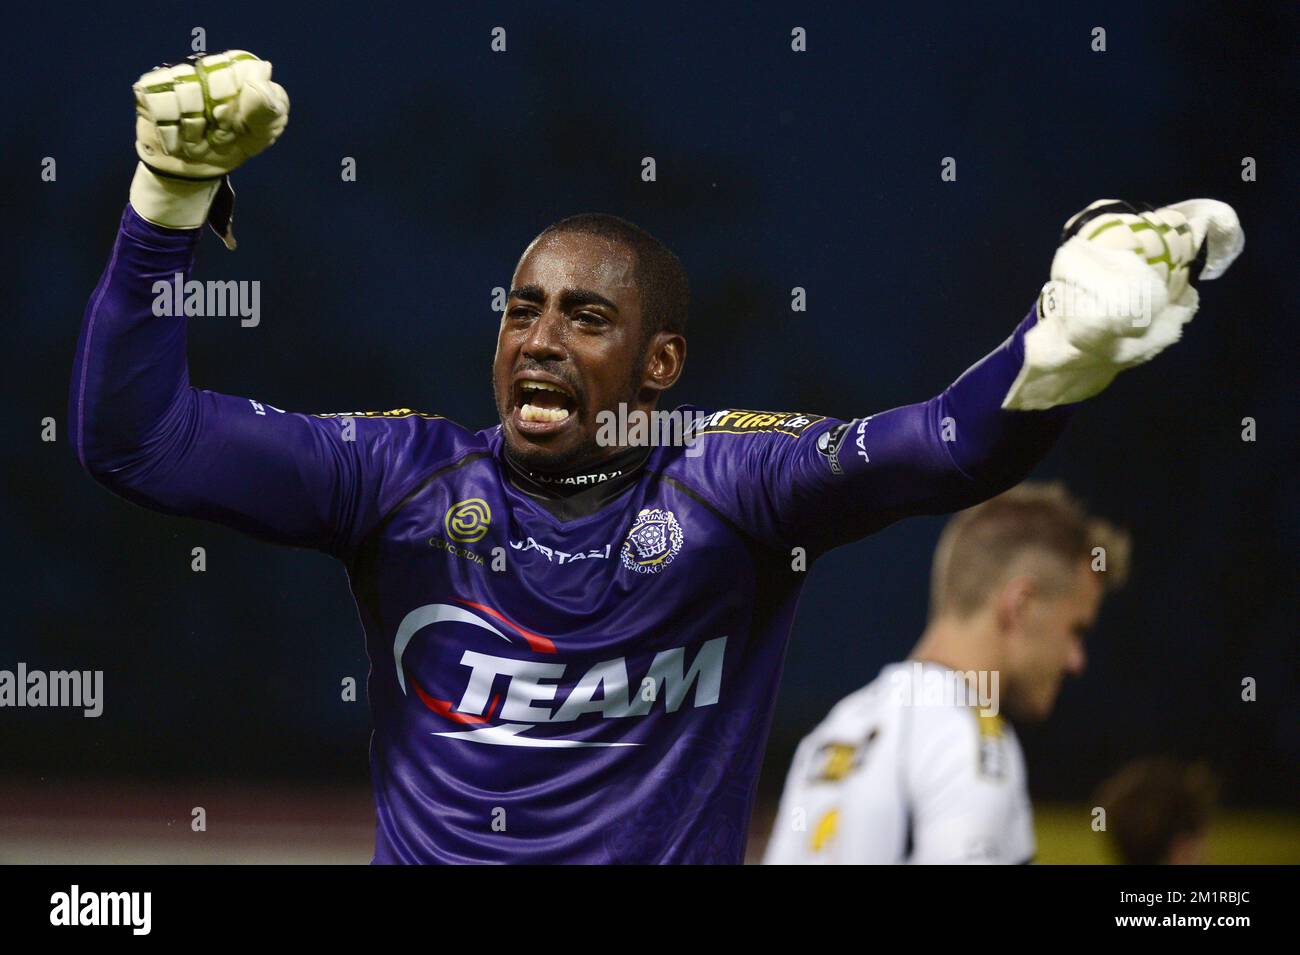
{"x":542,"y":405}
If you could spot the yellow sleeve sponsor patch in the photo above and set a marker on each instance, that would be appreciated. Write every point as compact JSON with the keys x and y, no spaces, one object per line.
{"x":394,"y":413}
{"x":741,"y":421}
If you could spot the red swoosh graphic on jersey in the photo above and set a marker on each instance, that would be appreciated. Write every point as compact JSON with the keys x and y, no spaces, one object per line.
{"x":535,"y":641}
{"x":443,"y":708}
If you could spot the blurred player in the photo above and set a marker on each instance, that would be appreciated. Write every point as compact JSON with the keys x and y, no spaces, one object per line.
{"x":575,"y":633}
{"x":1158,"y":811}
{"x":920,"y":765}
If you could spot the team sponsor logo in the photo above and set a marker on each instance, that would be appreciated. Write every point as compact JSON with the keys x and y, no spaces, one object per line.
{"x":457,"y":550}
{"x":557,"y":556}
{"x":860,"y":439}
{"x":654,"y":541}
{"x":522,"y":685}
{"x":992,"y":752}
{"x":739,"y":421}
{"x":596,"y":477}
{"x":829,"y":443}
{"x":835,"y":761}
{"x":467,"y":521}
{"x":393,"y":413}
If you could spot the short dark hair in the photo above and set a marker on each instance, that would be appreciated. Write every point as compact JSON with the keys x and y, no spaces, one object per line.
{"x":659,"y":274}
{"x":1151,"y":802}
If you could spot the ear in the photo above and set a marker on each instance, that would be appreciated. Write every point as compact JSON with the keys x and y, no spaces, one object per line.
{"x":665,"y":358}
{"x":1012,"y":603}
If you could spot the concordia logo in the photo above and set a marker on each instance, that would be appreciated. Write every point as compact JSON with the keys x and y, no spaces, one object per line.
{"x":528,"y":700}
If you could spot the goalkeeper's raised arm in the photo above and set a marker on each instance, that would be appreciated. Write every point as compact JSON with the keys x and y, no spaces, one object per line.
{"x":138,"y":426}
{"x":1120,"y":293}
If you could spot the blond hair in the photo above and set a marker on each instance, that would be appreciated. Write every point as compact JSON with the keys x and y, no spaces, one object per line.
{"x":1035,"y":528}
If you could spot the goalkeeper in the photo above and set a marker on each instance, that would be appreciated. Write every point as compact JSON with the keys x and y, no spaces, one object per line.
{"x":575,"y":643}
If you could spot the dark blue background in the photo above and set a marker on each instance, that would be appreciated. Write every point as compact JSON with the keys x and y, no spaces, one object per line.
{"x":775,"y":169}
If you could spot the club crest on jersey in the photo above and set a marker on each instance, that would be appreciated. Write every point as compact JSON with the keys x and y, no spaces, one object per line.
{"x":653,"y":542}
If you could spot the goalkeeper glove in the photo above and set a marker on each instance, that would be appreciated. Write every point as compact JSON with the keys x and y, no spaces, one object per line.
{"x":1120,"y":294}
{"x":195,"y":122}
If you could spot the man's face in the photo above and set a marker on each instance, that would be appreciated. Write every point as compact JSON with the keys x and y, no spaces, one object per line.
{"x":1047,"y":643}
{"x":570,"y":346}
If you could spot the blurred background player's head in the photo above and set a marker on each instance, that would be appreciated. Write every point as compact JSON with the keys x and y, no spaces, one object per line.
{"x":595,"y":318}
{"x":1158,"y":811}
{"x":1017,"y":582}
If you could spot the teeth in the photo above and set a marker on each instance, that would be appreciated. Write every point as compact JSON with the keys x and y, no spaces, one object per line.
{"x":543,"y":386}
{"x":533,"y":413}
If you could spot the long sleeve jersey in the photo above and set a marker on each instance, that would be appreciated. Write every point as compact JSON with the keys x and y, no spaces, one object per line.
{"x":543,"y":690}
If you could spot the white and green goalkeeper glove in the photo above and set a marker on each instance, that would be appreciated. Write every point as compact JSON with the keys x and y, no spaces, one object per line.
{"x":196,"y":122}
{"x":1120,"y":294}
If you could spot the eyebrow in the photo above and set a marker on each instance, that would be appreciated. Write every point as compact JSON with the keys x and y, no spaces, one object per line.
{"x":570,"y":298}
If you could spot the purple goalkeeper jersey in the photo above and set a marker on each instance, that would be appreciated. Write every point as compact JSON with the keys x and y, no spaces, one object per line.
{"x":543,"y":689}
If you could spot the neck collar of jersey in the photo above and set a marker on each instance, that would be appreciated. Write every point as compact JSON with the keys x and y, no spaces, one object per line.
{"x":575,"y":494}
